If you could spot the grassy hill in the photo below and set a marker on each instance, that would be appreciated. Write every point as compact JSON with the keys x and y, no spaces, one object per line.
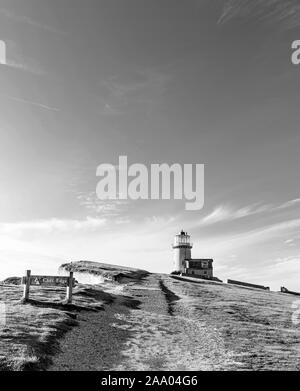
{"x":30,"y":333}
{"x":187,"y":325}
{"x":147,"y":322}
{"x":255,"y":326}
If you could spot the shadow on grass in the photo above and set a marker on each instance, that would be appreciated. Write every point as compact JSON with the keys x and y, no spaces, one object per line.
{"x":66,"y":307}
{"x":170,"y":296}
{"x":32,"y":336}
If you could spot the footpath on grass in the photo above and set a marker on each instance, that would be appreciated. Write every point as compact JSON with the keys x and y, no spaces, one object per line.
{"x":146,"y":327}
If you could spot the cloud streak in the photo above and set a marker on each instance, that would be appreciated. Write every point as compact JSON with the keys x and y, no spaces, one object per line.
{"x":106,"y":208}
{"x":32,"y":103}
{"x":144,"y":87}
{"x":23,"y":66}
{"x":283,"y":13}
{"x":224,"y":213}
{"x":29,"y":21}
{"x":265,"y":233}
{"x":51,"y":225}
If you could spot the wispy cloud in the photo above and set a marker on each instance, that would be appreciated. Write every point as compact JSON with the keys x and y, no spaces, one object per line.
{"x":32,"y":103}
{"x":289,"y":242}
{"x":105,"y":208}
{"x":282,"y":13}
{"x":28,"y":20}
{"x":142,"y":87}
{"x":265,"y":233}
{"x":51,"y":225}
{"x":23,"y":66}
{"x":249,"y":247}
{"x":289,"y":204}
{"x":226,"y":213}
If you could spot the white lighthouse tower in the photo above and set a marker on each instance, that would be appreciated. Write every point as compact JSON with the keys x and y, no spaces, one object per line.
{"x":181,"y":251}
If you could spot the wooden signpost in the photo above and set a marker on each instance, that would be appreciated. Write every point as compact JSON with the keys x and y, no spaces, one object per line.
{"x":31,"y":280}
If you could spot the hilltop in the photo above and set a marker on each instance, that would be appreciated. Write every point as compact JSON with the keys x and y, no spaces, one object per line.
{"x":149,"y":322}
{"x":103,"y":270}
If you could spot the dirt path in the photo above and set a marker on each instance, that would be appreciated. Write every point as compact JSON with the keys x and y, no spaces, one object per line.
{"x":161,"y":333}
{"x":96,"y":344}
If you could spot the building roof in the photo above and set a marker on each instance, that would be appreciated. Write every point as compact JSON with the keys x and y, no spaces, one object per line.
{"x":199,"y":259}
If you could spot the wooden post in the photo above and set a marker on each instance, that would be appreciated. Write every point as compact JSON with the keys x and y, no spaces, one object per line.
{"x":26,"y":286}
{"x":70,"y":289}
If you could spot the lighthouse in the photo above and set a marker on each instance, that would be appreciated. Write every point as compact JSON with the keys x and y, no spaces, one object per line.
{"x":184,"y":264}
{"x":181,"y":251}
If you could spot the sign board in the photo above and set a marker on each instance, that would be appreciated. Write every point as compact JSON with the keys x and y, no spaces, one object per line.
{"x":31,"y":280}
{"x":50,"y":281}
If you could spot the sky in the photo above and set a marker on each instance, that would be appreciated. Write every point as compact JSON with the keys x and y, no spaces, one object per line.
{"x":159,"y":81}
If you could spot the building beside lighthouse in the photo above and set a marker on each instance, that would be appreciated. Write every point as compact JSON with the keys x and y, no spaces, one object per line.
{"x":183,"y":262}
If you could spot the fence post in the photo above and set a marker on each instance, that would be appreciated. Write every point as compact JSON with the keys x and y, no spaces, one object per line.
{"x":26,"y":286}
{"x":70,"y":289}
